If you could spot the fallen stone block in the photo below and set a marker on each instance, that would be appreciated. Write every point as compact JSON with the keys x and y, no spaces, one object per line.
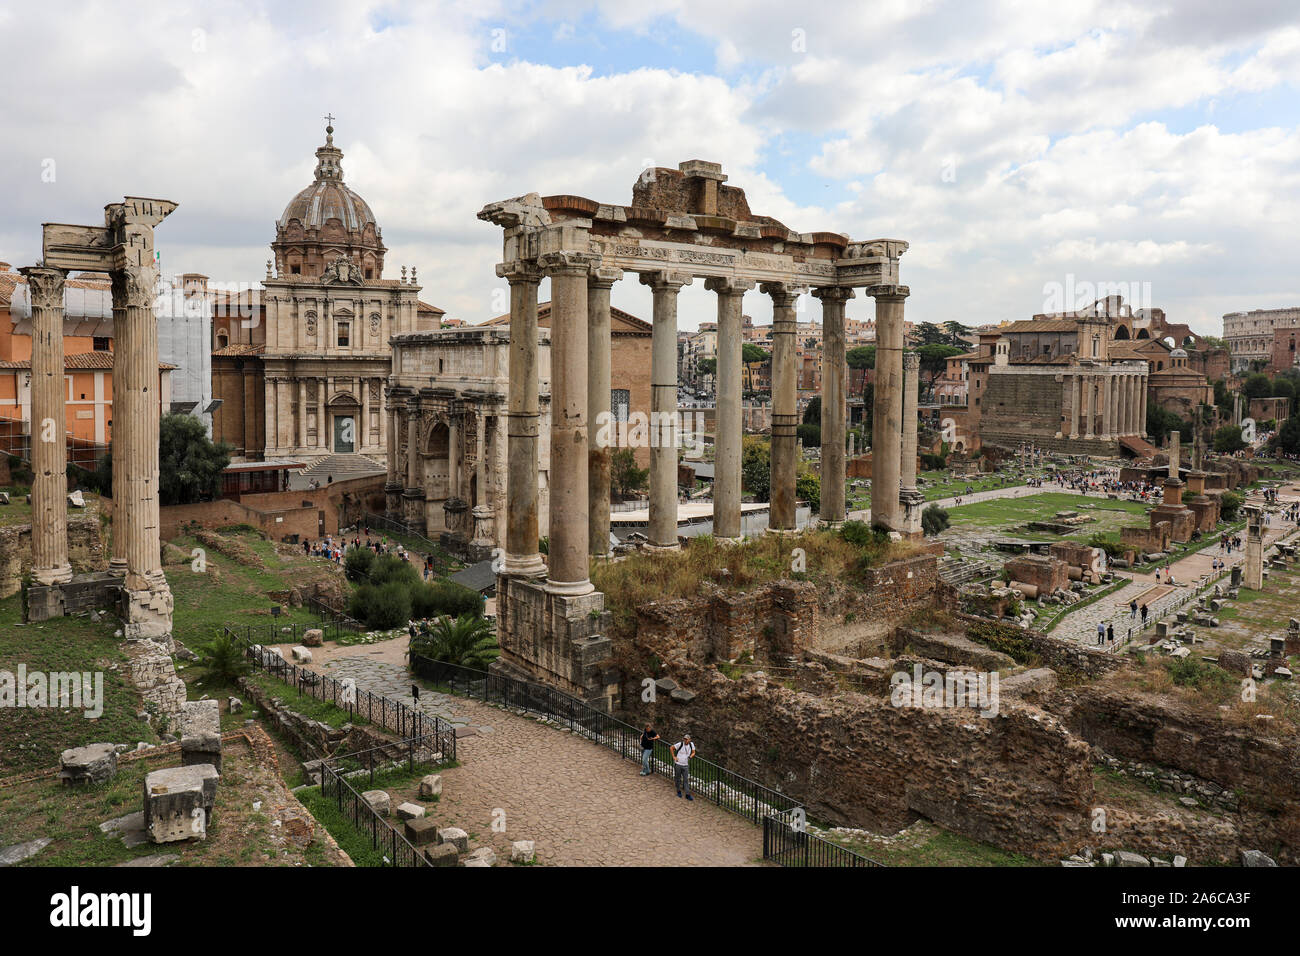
{"x":420,"y":831}
{"x":454,"y":836}
{"x":442,"y":854}
{"x":313,"y":637}
{"x":1256,"y":858}
{"x":522,"y":851}
{"x":300,"y":654}
{"x":199,"y":717}
{"x":235,"y":705}
{"x":200,"y":749}
{"x":484,"y":853}
{"x":409,"y":811}
{"x":1125,"y":858}
{"x":430,"y":786}
{"x":93,"y":763}
{"x":76,"y":499}
{"x":379,"y":801}
{"x":10,"y":855}
{"x":178,"y":803}
{"x":1235,"y":662}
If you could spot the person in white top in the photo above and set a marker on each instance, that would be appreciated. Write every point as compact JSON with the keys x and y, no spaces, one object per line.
{"x":683,"y":751}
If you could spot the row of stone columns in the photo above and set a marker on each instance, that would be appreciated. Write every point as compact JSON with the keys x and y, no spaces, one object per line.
{"x":1119,"y":399}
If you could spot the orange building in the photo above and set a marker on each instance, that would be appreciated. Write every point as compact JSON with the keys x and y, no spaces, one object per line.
{"x":88,"y":351}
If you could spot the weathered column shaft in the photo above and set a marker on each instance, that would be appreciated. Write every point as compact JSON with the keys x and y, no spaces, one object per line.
{"x":1089,"y":391}
{"x":412,"y":447}
{"x":136,"y":406}
{"x":1073,"y":430}
{"x":599,"y":384}
{"x":522,"y":556}
{"x":730,"y":429}
{"x":887,"y":422}
{"x":665,"y":286}
{"x":911,"y":383}
{"x":569,"y":532}
{"x":834,"y":407}
{"x":48,"y":428}
{"x":785,"y":409}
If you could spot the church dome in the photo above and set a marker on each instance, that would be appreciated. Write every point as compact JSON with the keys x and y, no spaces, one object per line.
{"x":328,"y":220}
{"x":1178,"y":353}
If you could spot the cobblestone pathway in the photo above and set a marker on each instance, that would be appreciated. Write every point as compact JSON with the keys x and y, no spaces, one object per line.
{"x":582,"y":804}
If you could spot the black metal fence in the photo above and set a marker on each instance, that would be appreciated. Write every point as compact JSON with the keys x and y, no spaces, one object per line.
{"x":729,"y":790}
{"x":339,"y":621}
{"x":787,"y":841}
{"x":436,"y":736}
{"x":397,"y":850}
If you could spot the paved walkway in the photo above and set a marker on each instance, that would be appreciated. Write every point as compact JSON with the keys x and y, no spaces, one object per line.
{"x":582,"y":804}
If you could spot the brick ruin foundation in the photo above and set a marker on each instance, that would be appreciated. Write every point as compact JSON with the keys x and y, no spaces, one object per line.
{"x":821,"y":727}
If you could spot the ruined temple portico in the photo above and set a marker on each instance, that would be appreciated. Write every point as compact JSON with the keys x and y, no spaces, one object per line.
{"x":682,"y":224}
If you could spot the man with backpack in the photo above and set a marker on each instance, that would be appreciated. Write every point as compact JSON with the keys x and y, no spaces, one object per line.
{"x":683,"y":751}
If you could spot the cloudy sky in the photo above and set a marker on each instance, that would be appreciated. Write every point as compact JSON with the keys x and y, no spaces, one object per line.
{"x":1019,"y":146}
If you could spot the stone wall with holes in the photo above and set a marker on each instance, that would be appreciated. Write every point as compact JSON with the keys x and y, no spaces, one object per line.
{"x":85,"y":550}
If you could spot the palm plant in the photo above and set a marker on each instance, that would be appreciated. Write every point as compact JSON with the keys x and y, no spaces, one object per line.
{"x":467,"y":641}
{"x":224,"y":659}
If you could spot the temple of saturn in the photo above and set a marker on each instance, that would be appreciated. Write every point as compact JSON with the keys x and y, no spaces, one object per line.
{"x":124,"y":248}
{"x":682,"y":224}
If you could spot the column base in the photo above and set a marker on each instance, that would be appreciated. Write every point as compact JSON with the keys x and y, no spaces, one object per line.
{"x":782,"y":532}
{"x":739,"y":539}
{"x":569,"y":588}
{"x":651,"y":546}
{"x":117,"y":567}
{"x":50,"y":576}
{"x":830,"y":523}
{"x":147,"y":614}
{"x":524,"y":566}
{"x":912,"y":503}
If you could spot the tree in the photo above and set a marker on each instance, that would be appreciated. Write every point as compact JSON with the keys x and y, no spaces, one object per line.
{"x":1258,"y":385}
{"x":756,"y":467}
{"x":934,"y":361}
{"x":1228,"y":439}
{"x":956,"y":332}
{"x":465,"y":641}
{"x":1288,"y":437}
{"x":707,"y":366}
{"x":189,"y":464}
{"x":810,"y":435}
{"x":809,"y":488}
{"x":812,"y":414}
{"x":1161,"y":422}
{"x":1284,"y":388}
{"x":934,"y":520}
{"x":751,"y":354}
{"x":1229,"y":504}
{"x":624,"y":475}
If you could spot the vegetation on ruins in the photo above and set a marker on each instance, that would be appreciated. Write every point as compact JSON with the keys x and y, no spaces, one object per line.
{"x":624,"y":475}
{"x":224,"y":658}
{"x":830,"y":557}
{"x":392,"y":592}
{"x":1230,"y":503}
{"x":1228,"y":439}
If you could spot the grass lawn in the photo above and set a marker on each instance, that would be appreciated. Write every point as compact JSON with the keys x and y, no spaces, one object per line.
{"x":33,"y":738}
{"x":1002,"y":515}
{"x":936,"y":485}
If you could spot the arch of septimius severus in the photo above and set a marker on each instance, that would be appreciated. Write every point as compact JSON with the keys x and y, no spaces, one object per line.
{"x":682,"y":224}
{"x":124,"y":248}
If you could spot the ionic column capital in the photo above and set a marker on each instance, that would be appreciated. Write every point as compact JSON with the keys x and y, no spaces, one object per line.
{"x":603,"y":277}
{"x":783,"y":293}
{"x":729,"y":285}
{"x":519,"y":271}
{"x":888,"y":292}
{"x":567,"y":263}
{"x":45,"y":285}
{"x":665,"y":280}
{"x":833,"y":293}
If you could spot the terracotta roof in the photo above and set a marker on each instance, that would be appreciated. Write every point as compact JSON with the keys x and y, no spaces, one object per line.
{"x":82,"y":362}
{"x":422,"y":306}
{"x":621,"y":323}
{"x":239,"y":349}
{"x":1042,"y":325}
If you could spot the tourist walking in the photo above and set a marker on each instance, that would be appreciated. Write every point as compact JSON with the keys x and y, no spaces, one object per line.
{"x":683,"y":751}
{"x":648,"y":738}
{"x":1144,"y":615}
{"x":1110,"y":633}
{"x":1133,"y":609}
{"x":1101,"y":633}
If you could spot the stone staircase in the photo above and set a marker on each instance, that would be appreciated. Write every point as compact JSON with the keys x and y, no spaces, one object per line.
{"x":957,"y":572}
{"x":340,"y":467}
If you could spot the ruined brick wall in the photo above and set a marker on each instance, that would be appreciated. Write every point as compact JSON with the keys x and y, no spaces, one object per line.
{"x":1047,"y":574}
{"x":85,"y":550}
{"x":1030,"y":406}
{"x":1013,"y":781}
{"x":1025,"y":646}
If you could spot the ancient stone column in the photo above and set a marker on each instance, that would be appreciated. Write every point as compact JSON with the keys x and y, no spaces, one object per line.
{"x":785,"y":408}
{"x":1175,"y":449}
{"x":569,"y":535}
{"x":302,"y":413}
{"x":1089,"y":413}
{"x":48,"y":427}
{"x":1254,"y":571}
{"x":911,"y":385}
{"x":1073,"y":431}
{"x":412,"y":448}
{"x":834,"y":409}
{"x":322,"y":419}
{"x":393,"y":485}
{"x":663,"y":407}
{"x":363,"y":438}
{"x":887,"y":427}
{"x":1142,"y":412}
{"x":522,"y":556}
{"x":1107,"y":408}
{"x":601,"y":431}
{"x":136,"y":406}
{"x":726,"y":478}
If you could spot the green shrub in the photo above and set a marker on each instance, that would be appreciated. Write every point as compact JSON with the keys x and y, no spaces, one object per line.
{"x":1230,"y":505}
{"x":382,"y":606}
{"x":934,"y":520}
{"x":437,"y":598}
{"x":389,"y":568}
{"x":359,"y":563}
{"x":466,"y":640}
{"x":224,"y":658}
